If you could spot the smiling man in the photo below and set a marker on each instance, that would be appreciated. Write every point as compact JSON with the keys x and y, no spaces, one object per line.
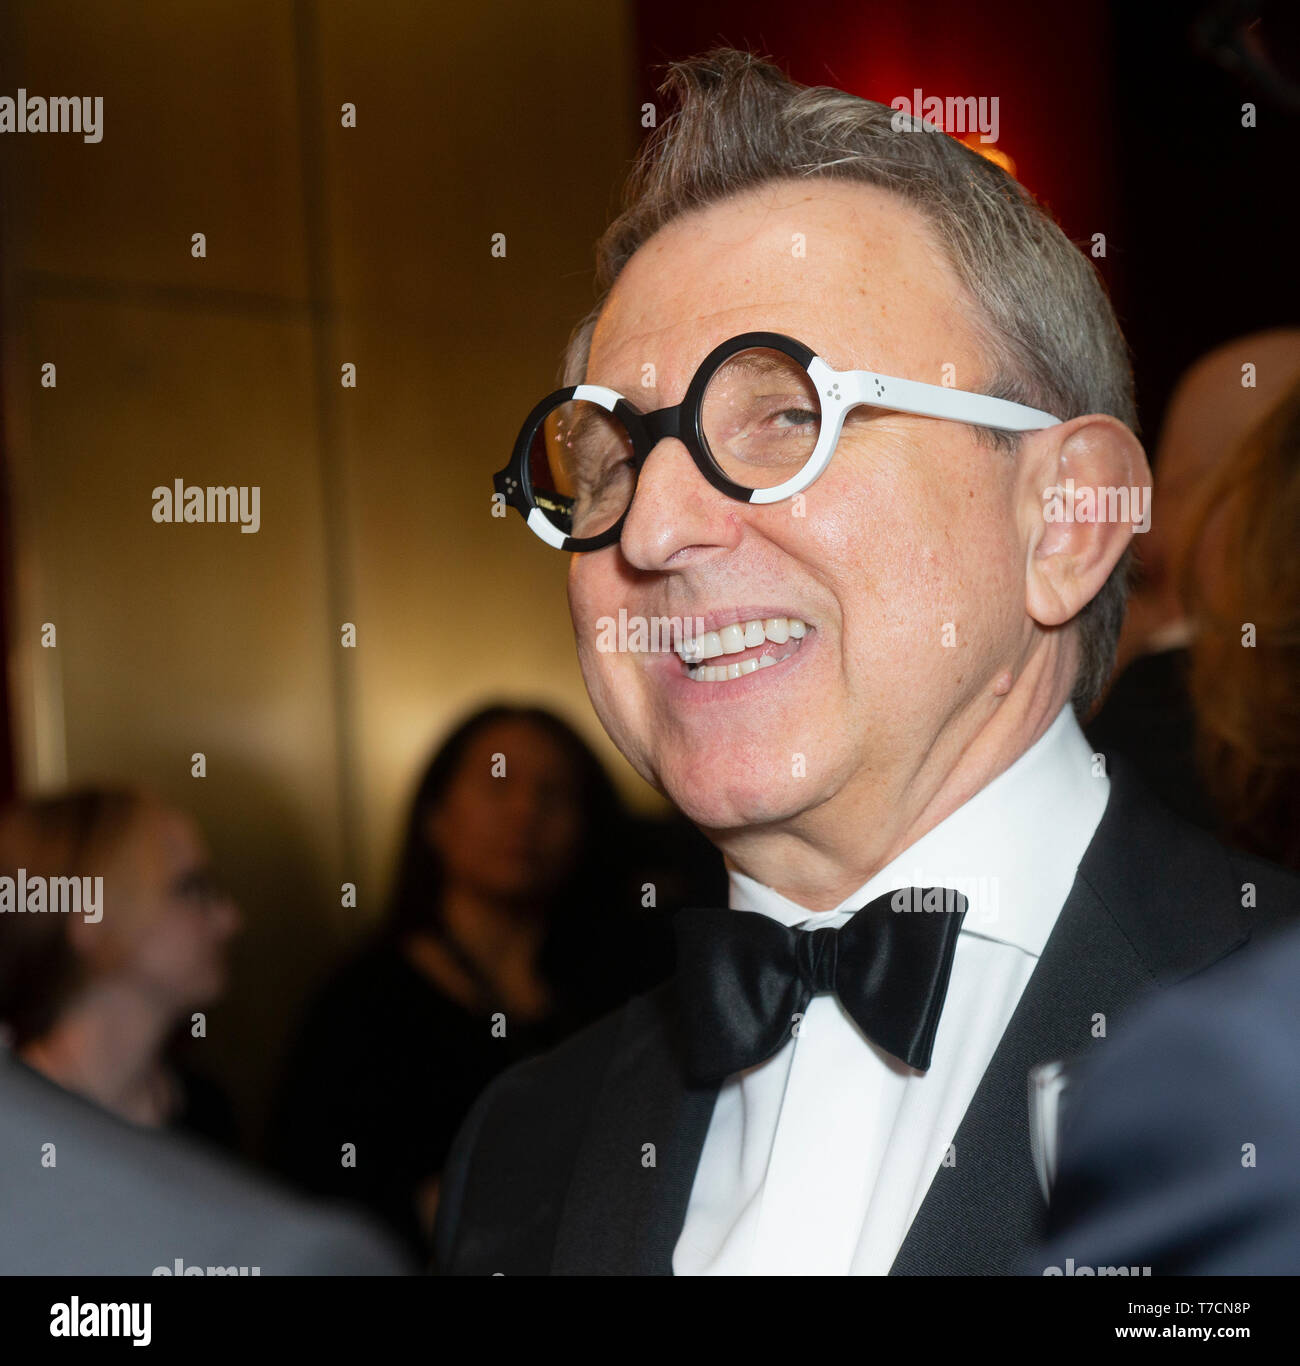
{"x":833,"y":375}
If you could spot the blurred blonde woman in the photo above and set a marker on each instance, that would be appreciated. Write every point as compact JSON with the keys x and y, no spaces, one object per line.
{"x":94,"y":1003}
{"x":1245,"y":653}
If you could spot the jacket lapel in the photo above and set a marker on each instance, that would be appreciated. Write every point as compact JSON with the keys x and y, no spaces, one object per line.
{"x":1153,"y":902}
{"x":633,"y":1173}
{"x":983,"y":1211}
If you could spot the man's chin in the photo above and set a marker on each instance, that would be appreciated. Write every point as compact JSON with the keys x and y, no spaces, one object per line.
{"x":719,"y":806}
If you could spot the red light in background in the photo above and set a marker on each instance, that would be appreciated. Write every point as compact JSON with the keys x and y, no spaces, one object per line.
{"x":990,"y":151}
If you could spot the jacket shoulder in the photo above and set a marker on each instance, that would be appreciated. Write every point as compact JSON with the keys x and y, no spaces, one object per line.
{"x":1178,"y":895}
{"x":509,"y":1167}
{"x":1269,"y":892}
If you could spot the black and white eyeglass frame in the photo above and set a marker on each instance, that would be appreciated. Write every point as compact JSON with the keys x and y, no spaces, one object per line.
{"x":838,"y":391}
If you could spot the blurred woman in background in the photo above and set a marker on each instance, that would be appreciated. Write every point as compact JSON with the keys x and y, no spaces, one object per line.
{"x":1240,"y":576}
{"x":98,"y":1005}
{"x":510,"y":925}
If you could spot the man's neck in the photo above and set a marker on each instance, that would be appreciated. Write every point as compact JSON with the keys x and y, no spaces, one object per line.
{"x":821,"y":857}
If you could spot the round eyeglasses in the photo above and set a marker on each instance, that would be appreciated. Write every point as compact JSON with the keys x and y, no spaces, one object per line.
{"x":761,"y":419}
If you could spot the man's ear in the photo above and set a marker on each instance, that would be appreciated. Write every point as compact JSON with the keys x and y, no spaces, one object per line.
{"x":1084,"y":490}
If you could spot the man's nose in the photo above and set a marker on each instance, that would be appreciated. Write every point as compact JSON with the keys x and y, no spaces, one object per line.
{"x":675,"y":510}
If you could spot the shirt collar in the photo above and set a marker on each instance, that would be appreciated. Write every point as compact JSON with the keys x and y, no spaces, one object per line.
{"x":1013,"y":849}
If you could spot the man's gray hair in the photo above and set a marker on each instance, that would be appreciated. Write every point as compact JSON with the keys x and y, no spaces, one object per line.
{"x":1042,"y":313}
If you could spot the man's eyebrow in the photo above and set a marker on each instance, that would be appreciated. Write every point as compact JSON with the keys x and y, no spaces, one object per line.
{"x":756,"y":361}
{"x":626,"y":390}
{"x":759,"y":362}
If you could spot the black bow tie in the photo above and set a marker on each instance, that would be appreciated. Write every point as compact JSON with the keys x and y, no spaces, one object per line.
{"x":742,"y":977}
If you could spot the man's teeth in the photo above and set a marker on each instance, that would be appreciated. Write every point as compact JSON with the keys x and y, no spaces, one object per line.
{"x":719,"y":673}
{"x":742,"y":635}
{"x":731,"y":640}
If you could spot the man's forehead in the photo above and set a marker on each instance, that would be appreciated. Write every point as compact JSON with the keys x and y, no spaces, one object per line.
{"x":848,"y":270}
{"x":669,"y":355}
{"x":875,"y":335}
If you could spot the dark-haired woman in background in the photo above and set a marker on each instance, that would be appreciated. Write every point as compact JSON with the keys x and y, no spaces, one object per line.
{"x":513,"y":922}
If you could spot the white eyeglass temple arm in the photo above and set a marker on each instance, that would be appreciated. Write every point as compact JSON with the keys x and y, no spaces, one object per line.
{"x":925,"y":400}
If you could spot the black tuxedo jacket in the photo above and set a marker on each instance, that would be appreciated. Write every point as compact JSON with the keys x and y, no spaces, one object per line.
{"x":553,"y":1172}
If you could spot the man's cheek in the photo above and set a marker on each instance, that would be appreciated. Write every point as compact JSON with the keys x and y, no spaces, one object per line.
{"x":582,"y":601}
{"x":610,"y":689}
{"x":593,"y":665}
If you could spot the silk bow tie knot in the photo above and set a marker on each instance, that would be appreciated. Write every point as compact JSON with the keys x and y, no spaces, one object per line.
{"x":744,"y":980}
{"x":816,"y":954}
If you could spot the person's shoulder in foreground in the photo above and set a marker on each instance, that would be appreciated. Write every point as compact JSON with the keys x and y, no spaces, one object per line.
{"x":1178,"y":1151}
{"x":95,"y":1195}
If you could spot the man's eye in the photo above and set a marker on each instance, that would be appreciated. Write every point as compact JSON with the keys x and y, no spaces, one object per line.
{"x":600,"y":482}
{"x":797,"y":417}
{"x":595,"y":468}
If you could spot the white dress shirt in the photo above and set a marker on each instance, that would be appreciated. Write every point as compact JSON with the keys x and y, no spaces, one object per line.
{"x":817,"y":1160}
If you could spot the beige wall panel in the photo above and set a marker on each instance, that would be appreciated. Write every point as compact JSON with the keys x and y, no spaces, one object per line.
{"x":200,"y":134}
{"x":466,"y":126}
{"x":174,"y":639}
{"x":462,"y":131}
